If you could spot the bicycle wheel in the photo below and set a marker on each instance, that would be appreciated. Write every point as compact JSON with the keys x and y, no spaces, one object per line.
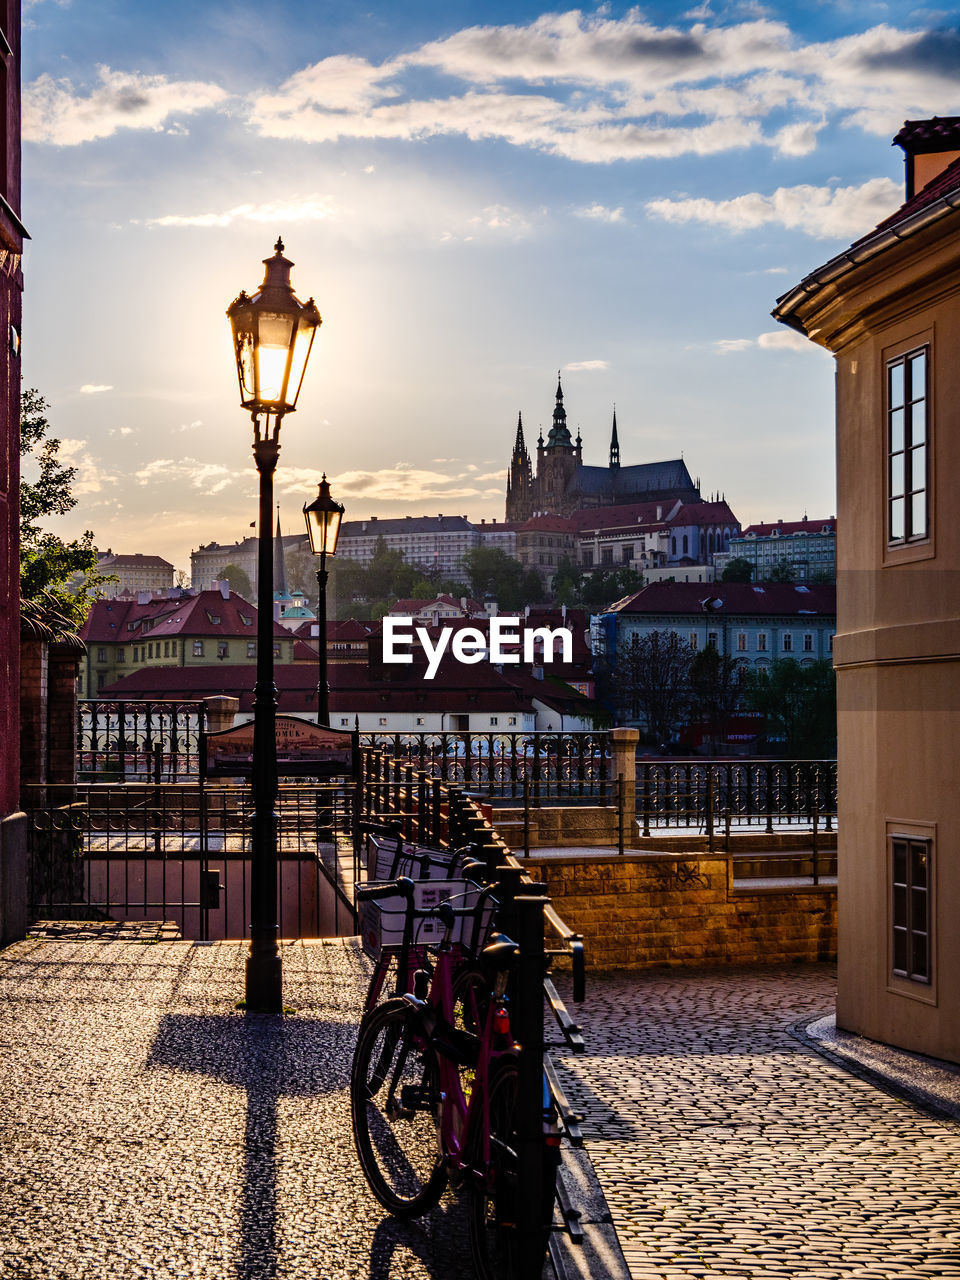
{"x":395,"y":1101}
{"x":496,"y":1201}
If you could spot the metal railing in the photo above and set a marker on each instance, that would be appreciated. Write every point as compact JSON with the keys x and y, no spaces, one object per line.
{"x":714,"y":796}
{"x":572,"y":767}
{"x":181,"y":852}
{"x":138,"y":739}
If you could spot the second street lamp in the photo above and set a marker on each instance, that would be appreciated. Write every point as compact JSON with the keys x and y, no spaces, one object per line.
{"x":323,"y":517}
{"x":273,"y":333}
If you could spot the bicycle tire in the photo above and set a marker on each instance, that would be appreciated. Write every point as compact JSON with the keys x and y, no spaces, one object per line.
{"x":395,"y":1101}
{"x":496,"y":1201}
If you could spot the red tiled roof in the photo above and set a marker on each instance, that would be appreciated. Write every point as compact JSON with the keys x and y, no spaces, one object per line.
{"x":790,"y":526}
{"x":109,"y":620}
{"x":134,"y":561}
{"x":943,"y":184}
{"x":738,"y":598}
{"x":704,"y":513}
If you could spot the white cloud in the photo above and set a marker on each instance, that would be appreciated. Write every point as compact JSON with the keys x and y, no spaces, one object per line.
{"x":310,"y":208}
{"x":54,"y":112}
{"x":91,"y":475}
{"x":600,"y":213}
{"x":210,"y":477}
{"x":94,"y":388}
{"x":824,"y":212}
{"x":778,"y":340}
{"x":586,"y":366}
{"x":400,"y":483}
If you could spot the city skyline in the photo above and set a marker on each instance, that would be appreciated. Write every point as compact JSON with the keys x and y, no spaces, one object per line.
{"x":475,"y":195}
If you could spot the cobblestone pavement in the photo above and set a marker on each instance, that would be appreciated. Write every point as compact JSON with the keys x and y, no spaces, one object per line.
{"x":725,"y":1148}
{"x":149,"y":1130}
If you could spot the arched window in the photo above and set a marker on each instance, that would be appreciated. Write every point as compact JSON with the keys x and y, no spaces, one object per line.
{"x":674,"y":542}
{"x":686,"y":541}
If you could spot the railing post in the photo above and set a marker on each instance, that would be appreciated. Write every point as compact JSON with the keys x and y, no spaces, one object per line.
{"x":624,"y":765}
{"x":816,"y":821}
{"x":527,"y":1026}
{"x":709,"y":807}
{"x":621,"y":789}
{"x":526,"y":816}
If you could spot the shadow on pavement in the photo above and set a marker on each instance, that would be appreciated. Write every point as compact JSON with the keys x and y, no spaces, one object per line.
{"x":270,"y":1058}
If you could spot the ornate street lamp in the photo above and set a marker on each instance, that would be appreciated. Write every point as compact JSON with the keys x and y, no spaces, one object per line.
{"x":323,"y":517}
{"x":273,"y":333}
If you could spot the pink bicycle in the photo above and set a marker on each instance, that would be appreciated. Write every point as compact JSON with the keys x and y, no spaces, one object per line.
{"x":434,"y":1097}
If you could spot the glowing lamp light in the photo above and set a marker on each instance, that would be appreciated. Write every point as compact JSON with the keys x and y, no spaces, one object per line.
{"x":273,"y":333}
{"x":323,"y":517}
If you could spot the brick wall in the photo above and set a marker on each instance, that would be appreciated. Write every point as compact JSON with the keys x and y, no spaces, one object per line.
{"x":645,"y":910}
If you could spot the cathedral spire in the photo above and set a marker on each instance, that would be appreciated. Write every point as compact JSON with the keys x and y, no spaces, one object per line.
{"x":614,"y":442}
{"x":559,"y":434}
{"x":520,"y":447}
{"x":279,"y":568}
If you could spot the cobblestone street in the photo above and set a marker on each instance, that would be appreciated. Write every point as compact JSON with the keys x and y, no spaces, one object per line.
{"x":149,"y":1130}
{"x":726,"y":1149}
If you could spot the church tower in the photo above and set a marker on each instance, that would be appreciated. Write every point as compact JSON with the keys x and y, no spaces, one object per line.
{"x":557,"y":463}
{"x":614,"y":444}
{"x":520,"y":479}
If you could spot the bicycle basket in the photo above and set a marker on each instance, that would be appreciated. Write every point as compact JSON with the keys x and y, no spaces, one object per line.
{"x":388,"y":860}
{"x":382,"y":919}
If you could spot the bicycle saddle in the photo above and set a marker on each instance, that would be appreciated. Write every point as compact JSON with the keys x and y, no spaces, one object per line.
{"x":500,"y":953}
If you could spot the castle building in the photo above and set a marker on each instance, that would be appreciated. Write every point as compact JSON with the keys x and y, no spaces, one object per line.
{"x":562,"y":484}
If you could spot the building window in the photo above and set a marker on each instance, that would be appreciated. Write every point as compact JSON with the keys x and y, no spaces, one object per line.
{"x":419,"y":719}
{"x":787,"y":642}
{"x":588,"y":559}
{"x":494,"y":720}
{"x":907,"y":447}
{"x":712,"y":639}
{"x":694,"y":642}
{"x":762,"y":642}
{"x":101,"y":655}
{"x":511,"y":719}
{"x":223,"y":649}
{"x":276,"y":651}
{"x":150,"y":651}
{"x":166,"y":648}
{"x":198,"y":648}
{"x":344,"y":721}
{"x":251,"y":648}
{"x":910,"y":869}
{"x":741,"y":642}
{"x":382,"y":721}
{"x":136,"y":654}
{"x":807,"y":642}
{"x":121,"y":655}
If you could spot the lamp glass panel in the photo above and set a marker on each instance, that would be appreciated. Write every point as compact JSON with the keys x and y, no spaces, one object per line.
{"x":301,"y":353}
{"x":273,"y":348}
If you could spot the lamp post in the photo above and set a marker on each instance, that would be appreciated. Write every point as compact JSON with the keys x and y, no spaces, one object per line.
{"x":323,"y":517}
{"x":273,"y":333}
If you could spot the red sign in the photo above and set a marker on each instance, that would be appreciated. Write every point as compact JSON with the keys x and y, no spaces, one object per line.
{"x":302,"y":748}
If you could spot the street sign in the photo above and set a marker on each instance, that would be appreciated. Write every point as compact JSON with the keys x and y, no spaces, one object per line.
{"x":304,"y":749}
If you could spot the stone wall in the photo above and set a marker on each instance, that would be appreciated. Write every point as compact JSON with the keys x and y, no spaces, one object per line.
{"x":644,"y":910}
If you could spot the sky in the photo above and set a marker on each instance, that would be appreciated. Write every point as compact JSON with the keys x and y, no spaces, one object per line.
{"x":476,"y":195}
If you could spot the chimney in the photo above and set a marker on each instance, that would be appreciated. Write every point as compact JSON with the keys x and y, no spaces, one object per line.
{"x":929,"y":146}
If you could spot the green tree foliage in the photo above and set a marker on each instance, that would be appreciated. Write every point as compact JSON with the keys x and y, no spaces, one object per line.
{"x":799,"y":703}
{"x":47,"y":562}
{"x":780,"y":572}
{"x":737,"y":570}
{"x":717,"y":684}
{"x":238,"y":579}
{"x":490,"y":571}
{"x":596,"y":589}
{"x":652,"y":681}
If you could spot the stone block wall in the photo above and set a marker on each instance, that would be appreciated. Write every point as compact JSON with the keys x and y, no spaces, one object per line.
{"x":646,"y":910}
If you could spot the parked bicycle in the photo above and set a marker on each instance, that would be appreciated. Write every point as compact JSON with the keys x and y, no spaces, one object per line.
{"x":434,"y":1094}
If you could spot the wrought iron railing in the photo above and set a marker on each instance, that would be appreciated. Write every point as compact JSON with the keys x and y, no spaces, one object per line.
{"x":714,"y":794}
{"x":138,"y":740}
{"x":499,"y":767}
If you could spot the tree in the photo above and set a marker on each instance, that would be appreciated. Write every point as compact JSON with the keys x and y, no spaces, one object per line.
{"x":651,"y":680}
{"x":780,"y":572}
{"x":47,"y":562}
{"x":737,"y":570}
{"x":491,"y":570}
{"x":799,"y":703}
{"x":238,"y":579}
{"x":717,"y":684}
